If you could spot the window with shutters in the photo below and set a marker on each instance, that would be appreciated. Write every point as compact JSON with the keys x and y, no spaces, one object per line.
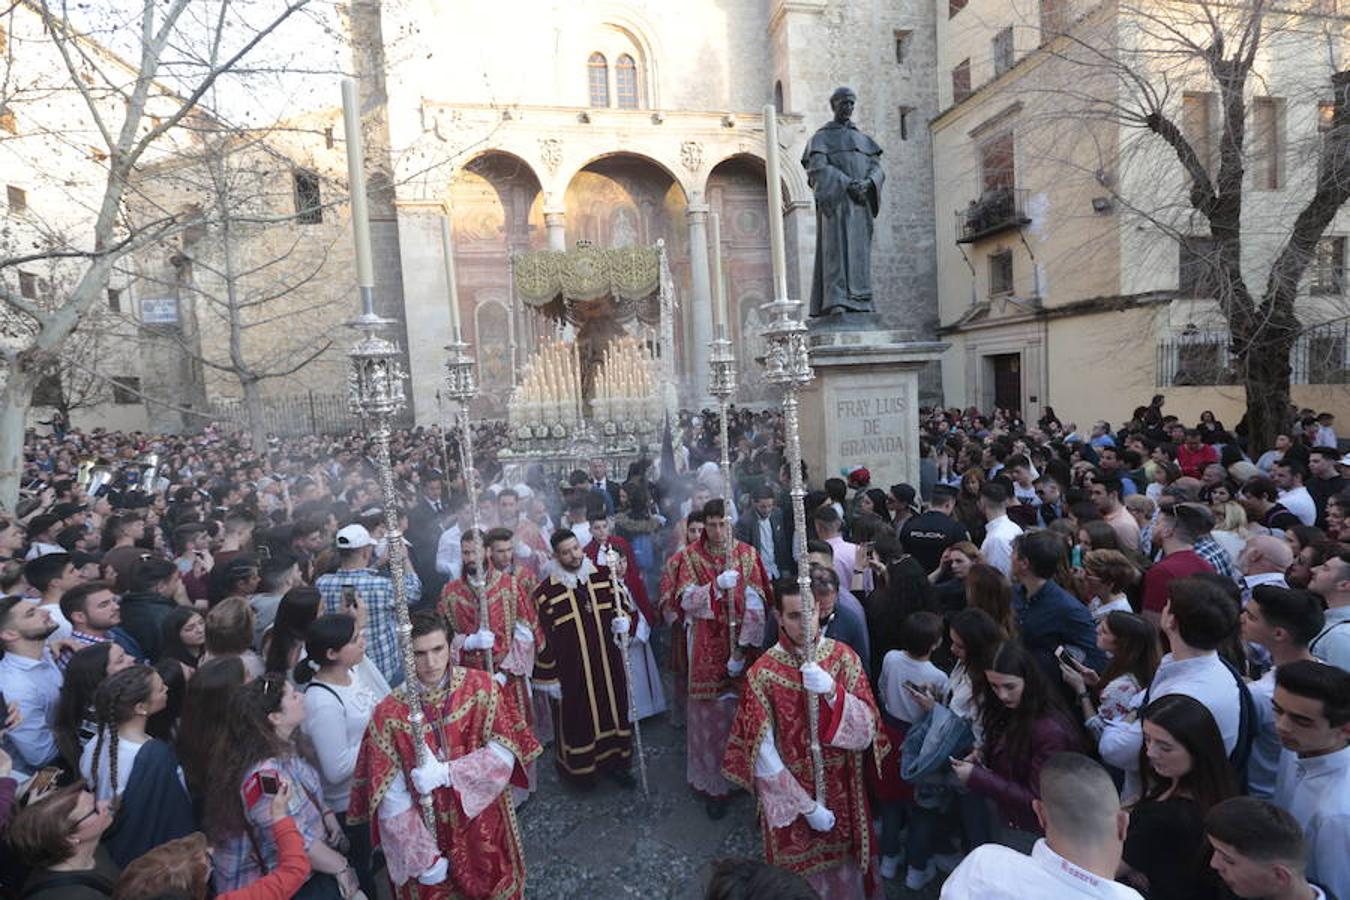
{"x":1327,"y":269}
{"x":961,"y":81}
{"x":1000,"y":273}
{"x":308,"y":198}
{"x":1266,"y":143}
{"x":1003,"y":51}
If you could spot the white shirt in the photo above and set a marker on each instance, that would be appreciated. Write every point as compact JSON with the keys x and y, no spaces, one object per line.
{"x":35,"y":685}
{"x":63,"y":626}
{"x":1266,"y":748}
{"x":1316,"y":791}
{"x":997,"y":546}
{"x":899,"y":667}
{"x":1204,"y":678}
{"x":993,"y":872}
{"x":1332,"y":644}
{"x":764,"y":544}
{"x":448,"y":553}
{"x":336,"y":716}
{"x":1299,"y":502}
{"x":1100,"y":608}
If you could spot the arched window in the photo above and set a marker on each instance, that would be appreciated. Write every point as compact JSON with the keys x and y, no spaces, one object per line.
{"x":626,"y":82}
{"x":597,"y":71}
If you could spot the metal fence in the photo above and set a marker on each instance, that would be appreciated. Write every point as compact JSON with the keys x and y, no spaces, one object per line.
{"x":1321,"y":355}
{"x":296,"y":414}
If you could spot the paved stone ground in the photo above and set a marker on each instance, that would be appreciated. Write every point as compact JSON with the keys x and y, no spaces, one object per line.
{"x":607,"y":842}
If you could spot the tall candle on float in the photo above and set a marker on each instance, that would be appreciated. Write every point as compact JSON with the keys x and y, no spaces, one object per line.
{"x":720,"y":329}
{"x":356,"y":185}
{"x":772,"y":164}
{"x":447,"y":250}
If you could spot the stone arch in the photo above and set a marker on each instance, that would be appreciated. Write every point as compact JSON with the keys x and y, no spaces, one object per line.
{"x":622,"y":198}
{"x":795,"y":188}
{"x":496,"y":209}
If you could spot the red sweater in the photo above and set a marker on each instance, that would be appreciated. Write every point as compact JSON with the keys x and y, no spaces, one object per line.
{"x":1193,"y":463}
{"x":291,"y":872}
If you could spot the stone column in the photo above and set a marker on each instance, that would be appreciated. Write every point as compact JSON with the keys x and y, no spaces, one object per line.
{"x":555,"y":221}
{"x":700,"y":307}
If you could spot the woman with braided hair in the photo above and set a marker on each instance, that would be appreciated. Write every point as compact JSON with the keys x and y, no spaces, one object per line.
{"x":74,"y":726}
{"x":255,"y":753}
{"x":137,"y":773}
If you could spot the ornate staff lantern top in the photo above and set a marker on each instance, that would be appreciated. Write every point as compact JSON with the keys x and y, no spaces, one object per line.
{"x":375,"y":379}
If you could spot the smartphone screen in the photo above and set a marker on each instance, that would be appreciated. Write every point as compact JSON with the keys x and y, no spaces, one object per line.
{"x":349,"y":596}
{"x":269,"y":782}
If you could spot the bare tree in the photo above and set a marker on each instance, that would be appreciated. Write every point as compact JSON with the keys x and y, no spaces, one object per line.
{"x":1199,"y":152}
{"x":119,"y":115}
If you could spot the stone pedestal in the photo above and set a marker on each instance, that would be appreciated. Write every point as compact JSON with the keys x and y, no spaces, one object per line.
{"x":862,"y":409}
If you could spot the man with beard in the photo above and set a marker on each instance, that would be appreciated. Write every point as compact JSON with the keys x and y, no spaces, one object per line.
{"x":769,"y":753}
{"x":30,"y":680}
{"x":581,"y":666}
{"x":711,"y":590}
{"x":479,"y":744}
{"x":531,"y":550}
{"x":511,"y":632}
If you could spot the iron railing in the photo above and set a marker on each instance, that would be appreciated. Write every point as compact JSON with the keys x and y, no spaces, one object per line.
{"x":1321,"y":355}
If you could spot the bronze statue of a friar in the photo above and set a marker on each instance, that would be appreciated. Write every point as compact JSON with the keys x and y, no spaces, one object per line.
{"x":843,"y":167}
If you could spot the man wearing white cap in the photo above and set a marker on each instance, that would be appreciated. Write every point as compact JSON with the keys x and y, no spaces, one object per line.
{"x":357,"y":580}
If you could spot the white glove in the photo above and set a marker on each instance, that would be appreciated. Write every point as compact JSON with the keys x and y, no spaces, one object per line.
{"x":523,"y":633}
{"x":820,"y":819}
{"x":523,"y":550}
{"x":728,"y":580}
{"x":644,"y":631}
{"x":620,"y":625}
{"x":500,"y":678}
{"x":735,"y":666}
{"x":431,"y":775}
{"x":553,"y":691}
{"x":482,"y":639}
{"x":817,"y":680}
{"x":438,"y":872}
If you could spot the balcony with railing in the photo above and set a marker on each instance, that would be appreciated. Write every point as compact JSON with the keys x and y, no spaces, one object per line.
{"x":996,"y":210}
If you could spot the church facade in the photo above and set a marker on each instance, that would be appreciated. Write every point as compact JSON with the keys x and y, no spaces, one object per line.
{"x":537,"y":125}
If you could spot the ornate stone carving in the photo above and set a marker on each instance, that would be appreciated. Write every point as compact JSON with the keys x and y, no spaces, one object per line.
{"x":691,"y":154}
{"x":550,"y":153}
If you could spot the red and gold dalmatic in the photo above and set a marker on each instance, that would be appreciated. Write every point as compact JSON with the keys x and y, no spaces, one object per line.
{"x":704,"y":611}
{"x":508,"y":603}
{"x":580,"y":657}
{"x":483,"y":849}
{"x":838,"y":862}
{"x":671,"y":613}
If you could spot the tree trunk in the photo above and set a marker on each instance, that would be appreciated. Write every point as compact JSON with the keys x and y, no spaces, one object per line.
{"x":253,"y":403}
{"x":1266,"y":378}
{"x":15,"y":400}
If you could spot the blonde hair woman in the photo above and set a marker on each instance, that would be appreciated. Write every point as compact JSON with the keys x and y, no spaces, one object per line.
{"x":1230,"y":527}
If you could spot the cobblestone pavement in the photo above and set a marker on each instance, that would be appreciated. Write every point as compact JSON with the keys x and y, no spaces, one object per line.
{"x":608,"y":842}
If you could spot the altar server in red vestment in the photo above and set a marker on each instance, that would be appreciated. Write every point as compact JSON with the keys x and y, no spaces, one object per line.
{"x":581,"y":667}
{"x":769,"y":752}
{"x":479,"y":744}
{"x":512,"y":632}
{"x":671,"y":614}
{"x":705,"y":584}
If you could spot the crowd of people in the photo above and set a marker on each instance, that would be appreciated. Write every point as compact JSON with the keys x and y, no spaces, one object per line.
{"x":1107,"y":663}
